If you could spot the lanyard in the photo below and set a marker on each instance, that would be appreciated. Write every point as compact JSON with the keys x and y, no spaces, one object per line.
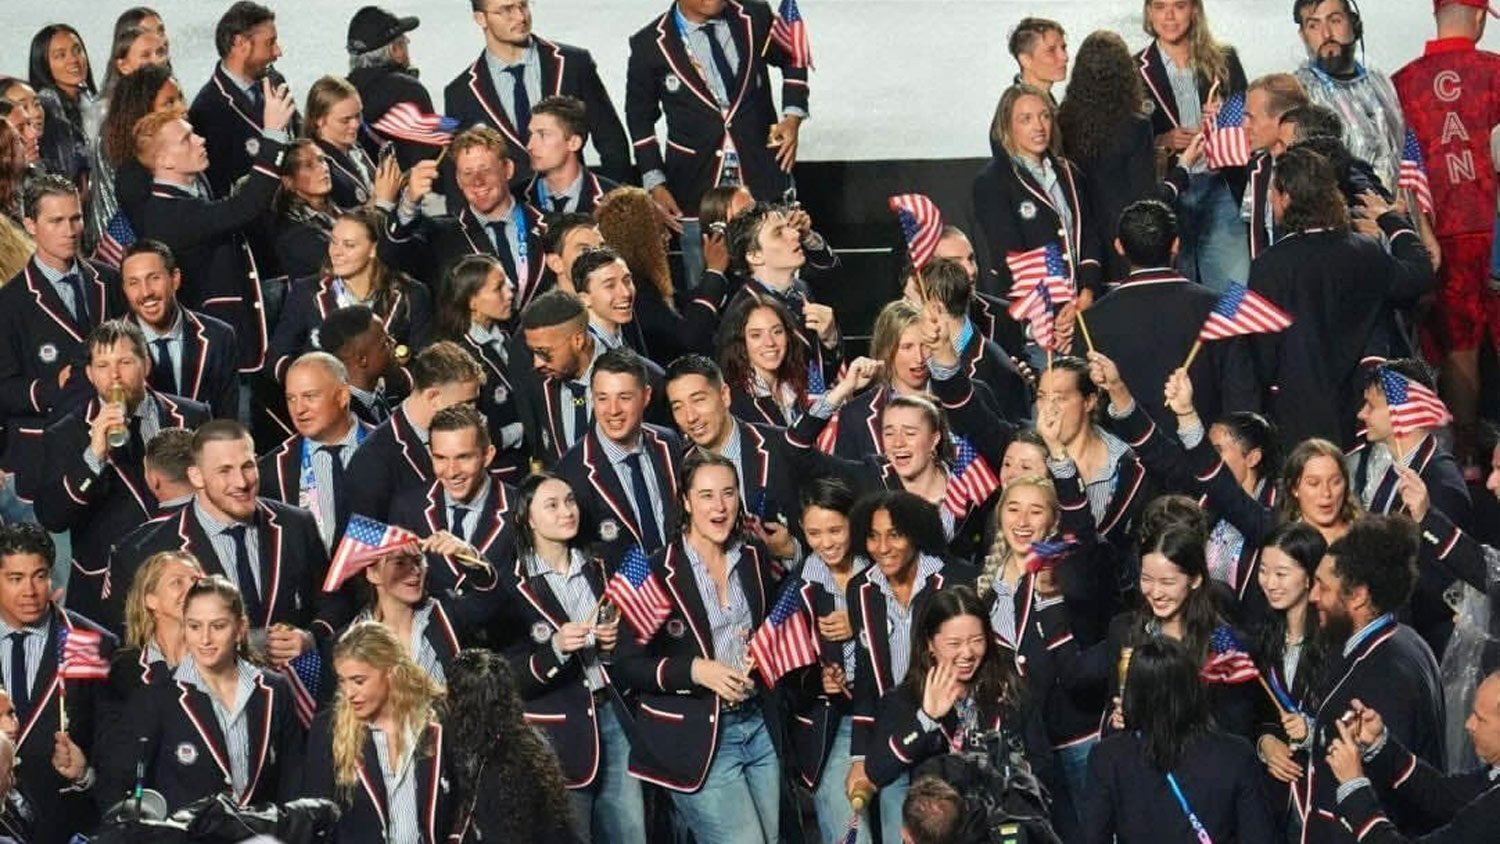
{"x":308,"y":480}
{"x":1203,"y":836}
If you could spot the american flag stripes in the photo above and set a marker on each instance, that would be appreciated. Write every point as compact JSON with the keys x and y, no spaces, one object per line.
{"x":639,"y":595}
{"x":117,"y":235}
{"x":785,"y":641}
{"x":1241,"y":310}
{"x":1048,"y":553}
{"x":1227,"y":144}
{"x":79,"y":657}
{"x":1043,"y":265}
{"x":1412,"y":406}
{"x":1413,"y":174}
{"x":970,"y":480}
{"x":1228,"y":662}
{"x":921,"y":225}
{"x":789,"y":30}
{"x":1036,"y":308}
{"x":407,"y":122}
{"x":304,"y":675}
{"x":364,"y":541}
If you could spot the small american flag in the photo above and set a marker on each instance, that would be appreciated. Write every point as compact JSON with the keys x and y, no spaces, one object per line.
{"x":790,"y":33}
{"x":79,"y":655}
{"x":1241,"y":310}
{"x":117,"y":235}
{"x":1227,"y":144}
{"x":921,"y":225}
{"x":785,"y":641}
{"x":1228,"y":662}
{"x":304,"y":674}
{"x":970,"y":481}
{"x":1412,"y":406}
{"x":1048,"y":553}
{"x":407,"y":122}
{"x":638,"y":594}
{"x":364,"y":541}
{"x":1036,"y":308}
{"x":1043,"y":265}
{"x":851,"y":831}
{"x":1413,"y":175}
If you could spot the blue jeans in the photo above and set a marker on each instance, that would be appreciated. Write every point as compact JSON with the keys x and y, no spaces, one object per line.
{"x":1073,"y":765}
{"x":610,"y":810}
{"x":740,"y":800}
{"x":1215,"y":248}
{"x":891,"y":798}
{"x":829,"y":799}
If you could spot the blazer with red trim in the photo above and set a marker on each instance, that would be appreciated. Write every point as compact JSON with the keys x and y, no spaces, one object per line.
{"x":99,"y":509}
{"x":421,"y":511}
{"x":38,"y":338}
{"x":281,"y":475}
{"x":365,"y":812}
{"x":1015,"y":214}
{"x":1163,"y":104}
{"x":856,"y":427}
{"x":815,"y":714}
{"x":60,"y":814}
{"x":392,"y":459}
{"x":901,"y":743}
{"x":172,"y":724}
{"x":556,"y":699}
{"x":1258,"y":183}
{"x":566,"y":70}
{"x":1468,"y":804}
{"x":661,"y":79}
{"x":677,"y":721}
{"x":1394,"y":673}
{"x":210,"y":364}
{"x":407,"y":318}
{"x":219,"y":272}
{"x":427,"y":246}
{"x":595,"y":187}
{"x":539,"y":402}
{"x":1457,"y":552}
{"x":606,"y":517}
{"x":224,"y":116}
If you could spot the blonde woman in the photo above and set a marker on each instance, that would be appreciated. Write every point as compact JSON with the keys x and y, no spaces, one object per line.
{"x":378,"y":752}
{"x":1188,"y":75}
{"x":153,"y":621}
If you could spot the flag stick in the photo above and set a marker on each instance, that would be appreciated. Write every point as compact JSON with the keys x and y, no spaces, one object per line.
{"x":443,"y":153}
{"x":473,"y":560}
{"x":921,"y":285}
{"x":1049,"y":358}
{"x":1089,"y":341}
{"x":1272,"y":695}
{"x":62,"y":704}
{"x":598,"y":605}
{"x":1193,"y":353}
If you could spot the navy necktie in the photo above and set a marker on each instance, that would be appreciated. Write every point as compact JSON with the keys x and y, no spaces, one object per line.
{"x":257,"y":102}
{"x":580,"y":402}
{"x":20,"y":688}
{"x":336,"y":473}
{"x":721,"y":61}
{"x":650,"y":531}
{"x":522,"y":101}
{"x":245,"y":575}
{"x":164,"y":372}
{"x":502,"y":250}
{"x":456,"y":523}
{"x":560,"y":203}
{"x":80,"y":304}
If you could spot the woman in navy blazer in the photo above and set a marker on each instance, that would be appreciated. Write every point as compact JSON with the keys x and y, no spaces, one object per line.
{"x":219,"y":724}
{"x":401,"y":789}
{"x":1172,"y":773}
{"x":706,"y":730}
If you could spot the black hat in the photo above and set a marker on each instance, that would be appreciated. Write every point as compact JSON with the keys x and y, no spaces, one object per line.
{"x":373,"y":27}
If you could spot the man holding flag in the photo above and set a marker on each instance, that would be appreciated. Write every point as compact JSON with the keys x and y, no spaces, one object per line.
{"x":1449,"y":98}
{"x":947,"y":302}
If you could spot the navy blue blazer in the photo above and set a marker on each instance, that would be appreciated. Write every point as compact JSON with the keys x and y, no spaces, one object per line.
{"x":365,"y":813}
{"x":606,"y":517}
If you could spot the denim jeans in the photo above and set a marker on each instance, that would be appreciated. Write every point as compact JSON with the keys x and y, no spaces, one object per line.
{"x":829,"y":799}
{"x":891,"y":799}
{"x":740,"y":800}
{"x":610,"y":811}
{"x":1073,"y":765}
{"x":1215,"y":248}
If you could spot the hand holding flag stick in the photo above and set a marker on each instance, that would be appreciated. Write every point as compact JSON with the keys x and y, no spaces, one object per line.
{"x":1239,"y":311}
{"x":921,"y":227}
{"x":1084,"y":327}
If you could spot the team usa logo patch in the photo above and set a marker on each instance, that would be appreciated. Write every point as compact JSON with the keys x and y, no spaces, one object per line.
{"x":47,"y":353}
{"x":252,"y":146}
{"x":676,"y":629}
{"x":187,"y":753}
{"x":1027,"y":210}
{"x":673,"y":83}
{"x":609,"y":530}
{"x":540,"y":632}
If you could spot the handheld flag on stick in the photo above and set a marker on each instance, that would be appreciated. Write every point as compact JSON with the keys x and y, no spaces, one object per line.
{"x":921,"y":225}
{"x":1228,"y":662}
{"x":117,"y":235}
{"x":1227,"y":144}
{"x":365,"y":541}
{"x":1048,"y":553}
{"x":785,"y":641}
{"x":970,"y":479}
{"x":1239,"y":310}
{"x":639,"y":595}
{"x":789,"y":31}
{"x":408,"y":122}
{"x":80,"y":659}
{"x":1413,"y":173}
{"x":1043,"y":265}
{"x":1412,"y":405}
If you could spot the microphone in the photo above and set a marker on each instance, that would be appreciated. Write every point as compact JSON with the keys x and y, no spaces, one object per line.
{"x":140,"y":775}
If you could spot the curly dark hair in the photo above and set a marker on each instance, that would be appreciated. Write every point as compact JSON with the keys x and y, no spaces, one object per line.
{"x":491,"y":742}
{"x":734,"y":358}
{"x":1104,"y":91}
{"x":131,"y":99}
{"x":1380,"y":554}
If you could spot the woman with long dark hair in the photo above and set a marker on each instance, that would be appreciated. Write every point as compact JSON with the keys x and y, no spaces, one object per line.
{"x":703,"y":721}
{"x":133,"y":48}
{"x":1172,"y":776}
{"x":16,"y":246}
{"x":26,"y":115}
{"x":555,"y":594}
{"x":353,"y":274}
{"x":380,"y":744}
{"x":476,"y":300}
{"x":508,"y":786}
{"x":219,"y":720}
{"x":394,"y":592}
{"x":1183,"y":69}
{"x":117,"y":182}
{"x":763,"y":362}
{"x":59,"y":72}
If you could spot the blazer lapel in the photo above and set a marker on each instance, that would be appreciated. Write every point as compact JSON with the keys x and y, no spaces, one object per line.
{"x":1154,"y":75}
{"x":681,"y":63}
{"x":288,"y":470}
{"x":605,"y":482}
{"x":757,"y":462}
{"x":200,"y":713}
{"x":411,"y":446}
{"x":430,"y":780}
{"x":195,"y":348}
{"x":483,"y":88}
{"x":684,"y":588}
{"x":752,"y":583}
{"x":440,"y":633}
{"x":552,"y":394}
{"x":743,"y":33}
{"x":373,"y":781}
{"x":872,"y":611}
{"x":554,"y":64}
{"x":258,"y":710}
{"x":538,"y":594}
{"x":270,"y":560}
{"x":51,"y":303}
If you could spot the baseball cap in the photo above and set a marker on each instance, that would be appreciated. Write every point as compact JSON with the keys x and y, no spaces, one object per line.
{"x":1477,"y":4}
{"x":373,"y":27}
